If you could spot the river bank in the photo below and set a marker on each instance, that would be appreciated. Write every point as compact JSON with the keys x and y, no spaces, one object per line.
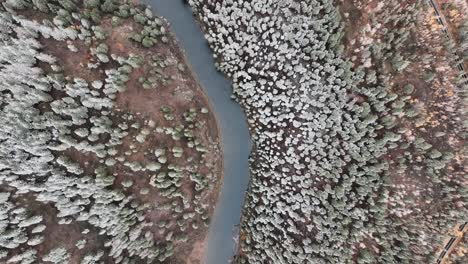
{"x":232,"y":123}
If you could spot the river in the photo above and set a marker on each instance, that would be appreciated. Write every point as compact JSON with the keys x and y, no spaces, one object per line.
{"x":231,"y":119}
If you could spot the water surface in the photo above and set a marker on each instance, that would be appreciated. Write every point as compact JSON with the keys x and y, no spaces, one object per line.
{"x":231,"y":120}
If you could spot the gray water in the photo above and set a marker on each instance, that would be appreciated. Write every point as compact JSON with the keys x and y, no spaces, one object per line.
{"x":231,"y":120}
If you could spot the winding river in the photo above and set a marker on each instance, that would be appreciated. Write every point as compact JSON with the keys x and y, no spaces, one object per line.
{"x":231,"y":119}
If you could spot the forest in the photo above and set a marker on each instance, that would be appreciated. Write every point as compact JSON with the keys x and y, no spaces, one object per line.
{"x":109,"y":152}
{"x":357,"y":111}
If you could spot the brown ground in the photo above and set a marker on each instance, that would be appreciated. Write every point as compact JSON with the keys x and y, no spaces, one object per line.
{"x":455,"y":13}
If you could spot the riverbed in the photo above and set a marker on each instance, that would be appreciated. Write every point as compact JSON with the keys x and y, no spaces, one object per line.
{"x":236,"y":142}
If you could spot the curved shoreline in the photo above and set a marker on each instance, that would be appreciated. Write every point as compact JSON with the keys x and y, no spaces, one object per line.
{"x":232,"y":122}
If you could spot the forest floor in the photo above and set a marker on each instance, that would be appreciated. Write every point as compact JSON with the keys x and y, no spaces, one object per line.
{"x":176,"y":90}
{"x":182,"y":93}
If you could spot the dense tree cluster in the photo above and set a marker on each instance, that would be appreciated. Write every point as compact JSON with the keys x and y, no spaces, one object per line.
{"x":18,"y":227}
{"x":319,"y":177}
